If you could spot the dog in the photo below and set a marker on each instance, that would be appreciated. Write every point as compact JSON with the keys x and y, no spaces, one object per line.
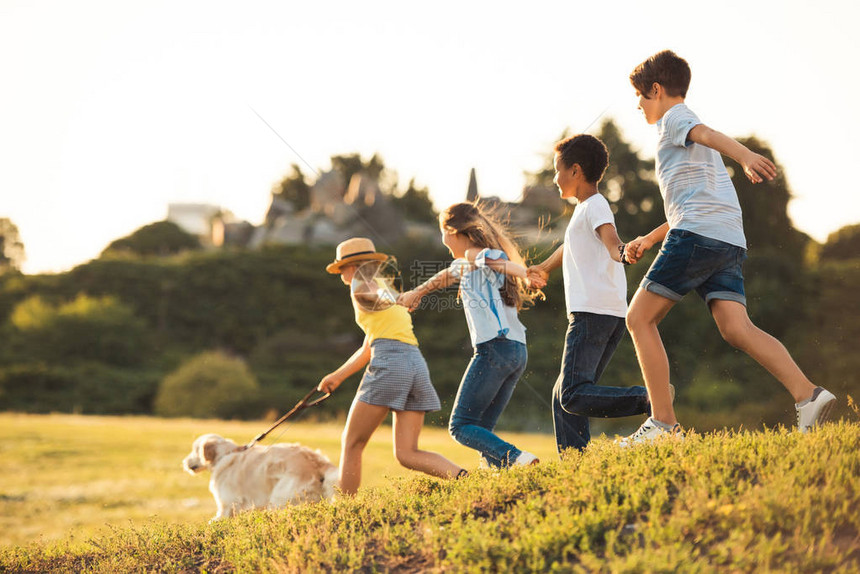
{"x":261,"y":477}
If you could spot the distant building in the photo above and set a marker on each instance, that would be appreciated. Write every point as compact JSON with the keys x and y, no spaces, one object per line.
{"x":193,"y":218}
{"x":12,"y":254}
{"x":338,"y":210}
{"x":214,"y":225}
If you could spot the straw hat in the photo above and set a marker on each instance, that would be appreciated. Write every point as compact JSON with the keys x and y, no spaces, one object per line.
{"x":352,"y":251}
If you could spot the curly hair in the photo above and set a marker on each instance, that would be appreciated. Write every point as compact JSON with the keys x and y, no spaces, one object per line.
{"x":587,"y":151}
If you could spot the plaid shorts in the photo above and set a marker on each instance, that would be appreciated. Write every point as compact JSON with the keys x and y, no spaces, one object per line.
{"x":397,"y":377}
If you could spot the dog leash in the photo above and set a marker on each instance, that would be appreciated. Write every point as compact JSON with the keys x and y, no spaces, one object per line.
{"x":302,"y":404}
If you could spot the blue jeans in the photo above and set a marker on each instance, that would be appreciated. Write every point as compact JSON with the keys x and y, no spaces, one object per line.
{"x":589,"y":344}
{"x":484,"y":393}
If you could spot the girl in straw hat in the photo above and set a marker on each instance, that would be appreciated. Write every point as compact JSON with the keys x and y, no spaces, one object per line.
{"x":396,"y":380}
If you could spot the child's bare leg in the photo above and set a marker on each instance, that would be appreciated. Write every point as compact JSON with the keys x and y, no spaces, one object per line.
{"x":407,"y":427}
{"x":737,"y":329}
{"x":362,"y":421}
{"x":645,"y":313}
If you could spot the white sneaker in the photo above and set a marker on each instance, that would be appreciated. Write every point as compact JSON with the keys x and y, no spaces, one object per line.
{"x":649,"y":431}
{"x":814,"y":411}
{"x":526,"y":459}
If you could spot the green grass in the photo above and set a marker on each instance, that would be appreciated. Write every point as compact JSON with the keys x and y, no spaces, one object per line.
{"x":772,"y":501}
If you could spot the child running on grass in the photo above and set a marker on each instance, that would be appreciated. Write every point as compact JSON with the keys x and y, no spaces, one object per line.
{"x":492,"y":280}
{"x":704,"y":247}
{"x":595,"y":293}
{"x":396,"y":380}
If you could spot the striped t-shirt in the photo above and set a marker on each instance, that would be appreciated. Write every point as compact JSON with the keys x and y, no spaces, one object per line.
{"x":698,"y":194}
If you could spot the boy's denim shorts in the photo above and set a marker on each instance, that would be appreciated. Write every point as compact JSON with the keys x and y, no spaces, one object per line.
{"x":690,"y":261}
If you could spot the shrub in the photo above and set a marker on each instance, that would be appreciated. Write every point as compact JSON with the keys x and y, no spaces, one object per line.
{"x":87,"y":387}
{"x":211,"y":384}
{"x":842,"y":244}
{"x":160,"y":238}
{"x":99,"y":329}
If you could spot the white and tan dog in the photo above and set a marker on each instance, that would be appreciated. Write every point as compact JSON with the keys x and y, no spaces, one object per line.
{"x":261,"y":476}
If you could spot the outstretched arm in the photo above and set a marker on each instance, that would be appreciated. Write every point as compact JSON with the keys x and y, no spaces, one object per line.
{"x":501,"y":265}
{"x":411,"y":299}
{"x":757,"y":168}
{"x":539,"y":274}
{"x":352,"y":365}
{"x":641,"y":244}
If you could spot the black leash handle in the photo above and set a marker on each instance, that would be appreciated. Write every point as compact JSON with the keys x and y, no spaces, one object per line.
{"x":302,"y":404}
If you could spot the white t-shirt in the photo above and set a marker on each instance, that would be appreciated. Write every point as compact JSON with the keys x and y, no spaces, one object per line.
{"x":698,"y":194}
{"x":593,"y":282}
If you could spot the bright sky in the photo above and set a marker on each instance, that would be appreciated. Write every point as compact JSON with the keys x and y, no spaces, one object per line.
{"x":111,"y":110}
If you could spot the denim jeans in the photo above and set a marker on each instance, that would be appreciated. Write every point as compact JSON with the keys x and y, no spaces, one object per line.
{"x":589,"y":344}
{"x":484,"y":393}
{"x":690,"y":261}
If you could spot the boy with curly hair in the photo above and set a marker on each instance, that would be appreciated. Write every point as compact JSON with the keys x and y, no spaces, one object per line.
{"x":595,"y":292}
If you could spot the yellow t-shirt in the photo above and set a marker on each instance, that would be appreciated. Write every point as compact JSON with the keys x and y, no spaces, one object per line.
{"x":392,"y":323}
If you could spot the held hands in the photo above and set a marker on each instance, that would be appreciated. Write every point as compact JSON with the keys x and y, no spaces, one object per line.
{"x":757,"y":168}
{"x":329,"y":383}
{"x":536,"y":277}
{"x":634,"y":249}
{"x":410,"y":299}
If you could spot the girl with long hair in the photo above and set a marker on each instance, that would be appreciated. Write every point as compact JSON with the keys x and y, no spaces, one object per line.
{"x":493,"y":288}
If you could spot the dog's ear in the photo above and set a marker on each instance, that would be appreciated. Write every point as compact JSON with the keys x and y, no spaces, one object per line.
{"x":210,"y":450}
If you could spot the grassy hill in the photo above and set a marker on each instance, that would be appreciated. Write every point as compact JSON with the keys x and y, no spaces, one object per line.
{"x":772,"y":501}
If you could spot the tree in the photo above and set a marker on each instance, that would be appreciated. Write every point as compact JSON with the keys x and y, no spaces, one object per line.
{"x":11,"y":247}
{"x":767,"y":225}
{"x":415,"y":204}
{"x":159,"y":238}
{"x":351,"y":164}
{"x":629,"y":183}
{"x":294,"y":188}
{"x":100,"y":329}
{"x":842,"y":244}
